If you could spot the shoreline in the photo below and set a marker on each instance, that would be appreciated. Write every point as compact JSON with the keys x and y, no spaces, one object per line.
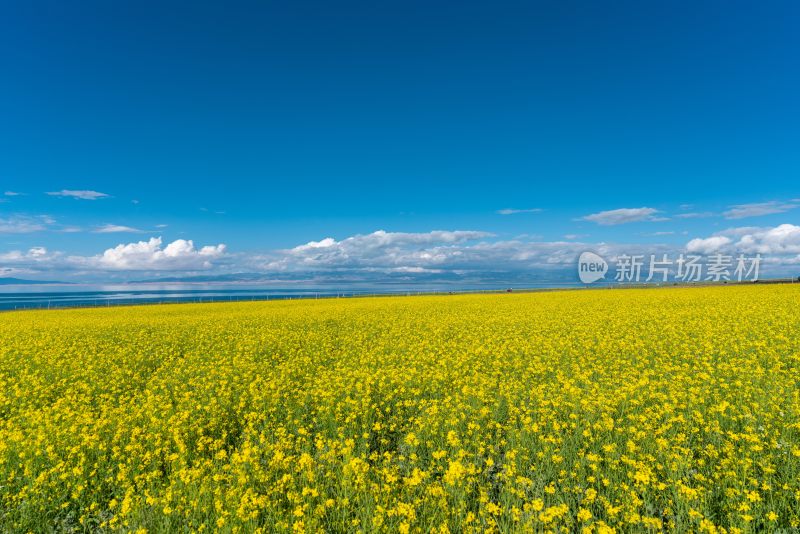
{"x":100,"y":302}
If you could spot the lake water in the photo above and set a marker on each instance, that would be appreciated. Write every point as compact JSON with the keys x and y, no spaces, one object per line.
{"x":66,"y":296}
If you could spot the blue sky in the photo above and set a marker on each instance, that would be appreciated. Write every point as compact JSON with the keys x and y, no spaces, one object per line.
{"x":264,"y":126}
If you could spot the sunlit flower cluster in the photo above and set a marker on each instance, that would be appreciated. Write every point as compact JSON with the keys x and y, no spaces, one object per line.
{"x":591,"y":411}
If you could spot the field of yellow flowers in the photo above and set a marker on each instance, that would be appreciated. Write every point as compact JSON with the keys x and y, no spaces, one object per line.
{"x":593,"y":411}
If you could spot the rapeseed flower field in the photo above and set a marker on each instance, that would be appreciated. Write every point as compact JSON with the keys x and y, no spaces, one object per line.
{"x":584,"y":411}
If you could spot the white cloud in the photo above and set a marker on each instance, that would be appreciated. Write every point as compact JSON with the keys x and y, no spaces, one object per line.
{"x":81,"y":194}
{"x":780,"y":243}
{"x":738,"y":232}
{"x":708,"y":245}
{"x":465,"y":257}
{"x":23,"y":224}
{"x":513,"y":211}
{"x":12,"y":194}
{"x":149,"y":255}
{"x":115,"y":228}
{"x":741,"y":211}
{"x":180,"y":255}
{"x":311,"y":245}
{"x":378,"y":249}
{"x":34,"y":255}
{"x":783,"y":239}
{"x":623,"y":216}
{"x":694,"y":215}
{"x":385,"y":248}
{"x":458,"y":255}
{"x":385,"y":240}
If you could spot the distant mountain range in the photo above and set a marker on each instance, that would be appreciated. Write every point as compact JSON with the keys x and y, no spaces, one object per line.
{"x":202,"y":278}
{"x":20,"y":281}
{"x":555,"y":277}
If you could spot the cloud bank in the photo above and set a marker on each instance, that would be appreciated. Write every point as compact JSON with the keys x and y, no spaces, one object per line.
{"x":79,"y":194}
{"x":465,"y":257}
{"x":513,"y":211}
{"x":149,"y":255}
{"x":23,"y":224}
{"x":779,"y":244}
{"x":623,"y":216}
{"x":115,"y":228}
{"x":459,"y":256}
{"x":179,"y":255}
{"x":742,"y":211}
